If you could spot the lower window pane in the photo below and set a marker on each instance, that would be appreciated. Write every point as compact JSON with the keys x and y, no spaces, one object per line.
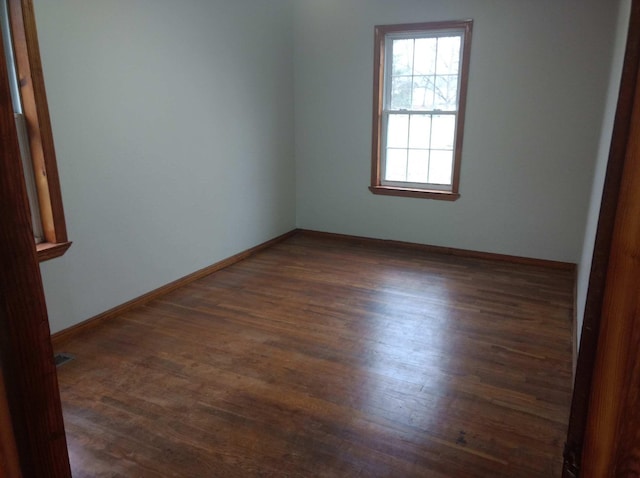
{"x":443,"y":128}
{"x":396,"y":165}
{"x":397,"y":131}
{"x":419,"y":131}
{"x":418,"y":166}
{"x":441,"y":167}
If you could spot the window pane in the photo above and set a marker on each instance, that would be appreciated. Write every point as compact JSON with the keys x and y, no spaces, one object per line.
{"x":425,"y":56}
{"x":441,"y":167}
{"x":398,"y":131}
{"x":402,"y":57}
{"x":396,"y":165}
{"x":446,"y":97}
{"x":418,"y":166}
{"x":420,"y":131}
{"x":422,"y":97}
{"x":442,"y":131}
{"x":448,"y":55}
{"x":401,"y":92}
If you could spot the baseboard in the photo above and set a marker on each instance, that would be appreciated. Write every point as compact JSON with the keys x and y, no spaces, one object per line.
{"x":567,"y":266}
{"x":61,"y":337}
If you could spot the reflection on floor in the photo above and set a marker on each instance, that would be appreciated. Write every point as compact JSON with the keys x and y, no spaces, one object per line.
{"x":320,"y":357}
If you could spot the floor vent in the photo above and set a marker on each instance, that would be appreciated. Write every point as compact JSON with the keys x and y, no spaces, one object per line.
{"x":62,"y":358}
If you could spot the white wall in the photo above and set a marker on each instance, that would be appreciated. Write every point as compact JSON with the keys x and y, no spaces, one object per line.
{"x":584,"y":267}
{"x":537,"y":86}
{"x":173,"y":127}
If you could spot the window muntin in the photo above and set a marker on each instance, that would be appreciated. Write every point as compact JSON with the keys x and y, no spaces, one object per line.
{"x":420,"y":78}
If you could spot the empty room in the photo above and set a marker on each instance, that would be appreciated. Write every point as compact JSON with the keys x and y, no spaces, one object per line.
{"x":328,"y":238}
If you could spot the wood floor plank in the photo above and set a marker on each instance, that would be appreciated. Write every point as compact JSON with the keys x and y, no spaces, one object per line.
{"x":325,"y":358}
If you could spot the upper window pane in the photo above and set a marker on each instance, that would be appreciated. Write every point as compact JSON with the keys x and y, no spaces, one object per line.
{"x":448,"y":61}
{"x":424,"y":73}
{"x":402,"y":57}
{"x":423,"y":93}
{"x":445,"y":93}
{"x":425,"y":56}
{"x":401,"y":92}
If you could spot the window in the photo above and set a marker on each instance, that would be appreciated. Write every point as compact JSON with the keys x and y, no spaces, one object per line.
{"x":420,"y":88}
{"x":31,"y":111}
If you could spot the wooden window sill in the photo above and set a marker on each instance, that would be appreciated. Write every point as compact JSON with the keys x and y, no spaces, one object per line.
{"x":49,"y":250}
{"x":415,"y":193}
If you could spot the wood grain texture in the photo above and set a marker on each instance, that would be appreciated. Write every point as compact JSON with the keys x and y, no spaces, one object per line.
{"x":26,"y":355}
{"x":9,"y":460}
{"x":628,"y":447}
{"x":616,"y":377}
{"x":47,"y":250}
{"x":414,"y":193}
{"x":322,"y":358}
{"x":59,"y":338}
{"x":602,"y":248}
{"x":36,"y":112}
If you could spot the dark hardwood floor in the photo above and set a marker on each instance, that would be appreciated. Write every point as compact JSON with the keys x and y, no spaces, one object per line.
{"x":326,"y":358}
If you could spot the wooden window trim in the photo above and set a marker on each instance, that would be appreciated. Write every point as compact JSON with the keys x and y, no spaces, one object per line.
{"x":378,"y":81}
{"x":414,"y":193}
{"x":36,"y":112}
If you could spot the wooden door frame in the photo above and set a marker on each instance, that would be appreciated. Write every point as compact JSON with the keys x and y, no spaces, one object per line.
{"x":605,"y":364}
{"x":605,"y":367}
{"x":9,"y":461}
{"x":26,"y":355}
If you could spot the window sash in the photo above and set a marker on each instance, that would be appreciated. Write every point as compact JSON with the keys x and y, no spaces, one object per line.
{"x":387,"y":109}
{"x":383,"y":157}
{"x":388,"y":60}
